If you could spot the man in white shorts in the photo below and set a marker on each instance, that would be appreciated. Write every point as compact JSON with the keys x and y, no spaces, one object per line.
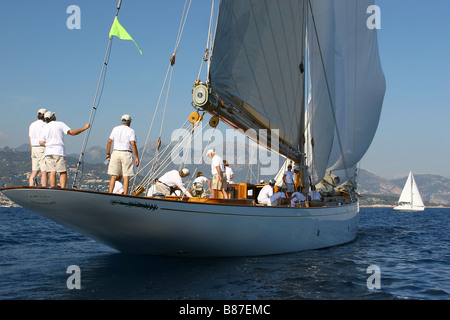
{"x":121,"y":160}
{"x":55,"y":153}
{"x":288,"y":179}
{"x":219,"y":181}
{"x":37,"y":151}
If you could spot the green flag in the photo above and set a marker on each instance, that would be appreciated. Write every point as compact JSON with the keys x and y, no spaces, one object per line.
{"x":120,"y":32}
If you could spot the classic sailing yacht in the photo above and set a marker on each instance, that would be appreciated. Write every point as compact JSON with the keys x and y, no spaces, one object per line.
{"x":410,"y":199}
{"x":307,"y":73}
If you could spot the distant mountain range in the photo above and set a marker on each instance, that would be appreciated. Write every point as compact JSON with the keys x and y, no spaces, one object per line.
{"x":15,"y":165}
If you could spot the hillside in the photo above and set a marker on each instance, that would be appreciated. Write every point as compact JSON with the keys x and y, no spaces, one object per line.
{"x":433,"y":188}
{"x":15,"y":168}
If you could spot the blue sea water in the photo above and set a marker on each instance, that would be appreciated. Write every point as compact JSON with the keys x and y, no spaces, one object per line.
{"x":410,"y":250}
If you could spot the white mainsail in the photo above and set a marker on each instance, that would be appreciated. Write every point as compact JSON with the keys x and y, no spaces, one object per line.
{"x":410,"y":198}
{"x":255,"y":66}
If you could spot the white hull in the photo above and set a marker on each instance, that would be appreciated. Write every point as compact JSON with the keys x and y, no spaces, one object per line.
{"x":408,"y":208}
{"x":142,"y":225}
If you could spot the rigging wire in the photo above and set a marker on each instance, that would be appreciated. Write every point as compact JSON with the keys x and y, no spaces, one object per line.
{"x":155,"y":168}
{"x":95,"y":105}
{"x":191,"y":180}
{"x":151,"y":175}
{"x":208,"y":48}
{"x":169,"y":71}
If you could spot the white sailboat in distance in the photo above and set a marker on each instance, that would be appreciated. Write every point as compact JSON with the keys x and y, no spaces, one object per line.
{"x":410,"y":199}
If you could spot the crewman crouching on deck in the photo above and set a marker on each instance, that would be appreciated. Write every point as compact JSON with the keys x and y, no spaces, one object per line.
{"x":172,"y":180}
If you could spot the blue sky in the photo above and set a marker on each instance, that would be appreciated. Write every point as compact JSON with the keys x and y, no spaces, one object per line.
{"x":45,"y":64}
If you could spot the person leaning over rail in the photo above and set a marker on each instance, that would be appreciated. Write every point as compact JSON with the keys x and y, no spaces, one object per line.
{"x":121,"y":160}
{"x":37,"y":151}
{"x":172,"y":180}
{"x":52,"y":138}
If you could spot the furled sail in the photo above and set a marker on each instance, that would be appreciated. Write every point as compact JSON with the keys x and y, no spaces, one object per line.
{"x":257,"y":64}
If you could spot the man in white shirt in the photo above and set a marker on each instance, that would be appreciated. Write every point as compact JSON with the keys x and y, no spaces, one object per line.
{"x":37,"y":151}
{"x":52,"y":139}
{"x":172,"y":180}
{"x":265,"y":193}
{"x":314,"y":197}
{"x":219,"y":182}
{"x":121,"y":160}
{"x":228,"y":171}
{"x":288,"y":179}
{"x":199,"y":185}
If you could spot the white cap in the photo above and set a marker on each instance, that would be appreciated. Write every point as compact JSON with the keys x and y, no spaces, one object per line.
{"x":42,"y":111}
{"x":126,"y":117}
{"x":209,"y":152}
{"x":185,"y":171}
{"x":48,"y":114}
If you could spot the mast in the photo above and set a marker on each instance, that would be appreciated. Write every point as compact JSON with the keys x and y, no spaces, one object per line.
{"x":412,"y":191}
{"x":302,"y":68}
